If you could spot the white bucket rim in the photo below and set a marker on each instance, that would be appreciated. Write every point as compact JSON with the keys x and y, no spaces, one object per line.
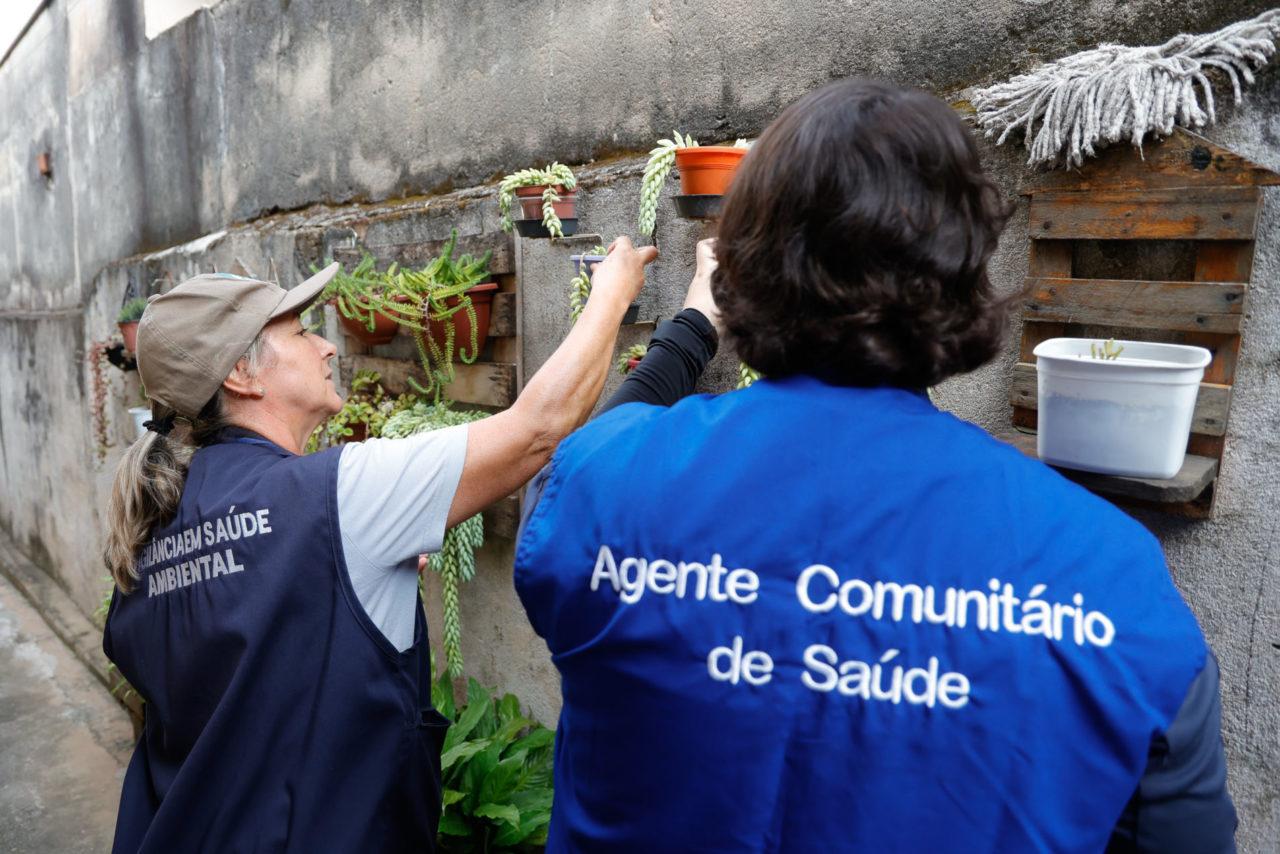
{"x":1075,"y":351}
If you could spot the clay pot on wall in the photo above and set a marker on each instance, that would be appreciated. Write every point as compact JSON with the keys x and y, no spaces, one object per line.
{"x":530,"y":201}
{"x":707,"y":170}
{"x":384,"y":328}
{"x":129,"y":331}
{"x":482,"y":301}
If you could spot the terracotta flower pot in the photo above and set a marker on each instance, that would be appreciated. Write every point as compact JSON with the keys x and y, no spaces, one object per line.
{"x":129,"y":331}
{"x":530,"y":199}
{"x":482,"y":301}
{"x":707,"y":170}
{"x":384,"y":328}
{"x":359,"y":432}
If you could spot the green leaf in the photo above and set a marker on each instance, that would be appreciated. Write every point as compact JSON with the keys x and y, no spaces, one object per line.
{"x":481,"y":765}
{"x":503,"y":812}
{"x":499,"y":784}
{"x":477,"y":704}
{"x":508,"y":708}
{"x":539,"y":738}
{"x":452,"y":796}
{"x":452,"y":824}
{"x":461,"y":752}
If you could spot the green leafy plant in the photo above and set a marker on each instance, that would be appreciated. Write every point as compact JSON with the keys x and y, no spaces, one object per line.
{"x":131,"y":311}
{"x":367,"y":405}
{"x":637,"y":351}
{"x":360,"y":295}
{"x":119,"y":686}
{"x":409,"y":297}
{"x":496,"y":767}
{"x":580,"y":285}
{"x":456,"y":561}
{"x":746,"y":375}
{"x":1108,"y":350}
{"x":662,"y":159}
{"x":557,"y":174}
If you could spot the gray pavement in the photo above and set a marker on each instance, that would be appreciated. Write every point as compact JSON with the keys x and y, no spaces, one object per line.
{"x":64,"y":741}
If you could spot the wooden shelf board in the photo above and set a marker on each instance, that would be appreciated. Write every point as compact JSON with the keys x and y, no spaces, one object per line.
{"x":1196,"y":475}
{"x":502,"y":316}
{"x":483,"y":383}
{"x":1188,"y":213}
{"x":502,"y":518}
{"x":418,"y":254}
{"x":1182,"y":306}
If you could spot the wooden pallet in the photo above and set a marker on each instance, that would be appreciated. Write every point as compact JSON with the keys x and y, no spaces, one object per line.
{"x":1183,"y":189}
{"x":491,"y":381}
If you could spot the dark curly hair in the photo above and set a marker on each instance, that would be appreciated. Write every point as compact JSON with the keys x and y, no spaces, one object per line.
{"x":855,"y":239}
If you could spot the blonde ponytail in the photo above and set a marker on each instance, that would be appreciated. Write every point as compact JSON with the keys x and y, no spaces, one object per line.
{"x":150,"y":478}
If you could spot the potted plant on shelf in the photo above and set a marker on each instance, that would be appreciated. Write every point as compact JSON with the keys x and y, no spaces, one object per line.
{"x":363,"y":413}
{"x":1122,"y":408}
{"x":127,"y":320}
{"x":705,"y":175}
{"x":363,"y":308}
{"x":631,"y":357}
{"x":456,"y":561}
{"x":547,"y":198}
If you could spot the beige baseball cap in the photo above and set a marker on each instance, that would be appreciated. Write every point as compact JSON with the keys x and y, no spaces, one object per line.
{"x":190,"y":338}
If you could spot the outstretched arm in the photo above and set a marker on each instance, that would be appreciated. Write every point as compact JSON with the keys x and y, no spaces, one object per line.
{"x":506,"y":450}
{"x":1182,"y":803}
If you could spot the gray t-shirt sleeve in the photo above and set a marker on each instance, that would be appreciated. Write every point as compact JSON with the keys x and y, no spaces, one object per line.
{"x":393,"y":501}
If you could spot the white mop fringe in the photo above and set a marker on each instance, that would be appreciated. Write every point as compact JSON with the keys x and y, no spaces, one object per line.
{"x":1073,"y":106}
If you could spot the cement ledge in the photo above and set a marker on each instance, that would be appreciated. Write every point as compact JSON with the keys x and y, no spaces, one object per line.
{"x":72,"y":627}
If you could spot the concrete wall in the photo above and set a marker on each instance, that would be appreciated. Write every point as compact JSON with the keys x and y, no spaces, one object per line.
{"x":261,"y":106}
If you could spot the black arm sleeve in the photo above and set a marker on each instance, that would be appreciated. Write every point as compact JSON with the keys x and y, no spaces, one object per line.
{"x":678,"y":352}
{"x":1182,"y":803}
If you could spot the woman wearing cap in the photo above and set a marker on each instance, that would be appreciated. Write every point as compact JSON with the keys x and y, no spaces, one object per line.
{"x":819,"y":614}
{"x":268,"y":608}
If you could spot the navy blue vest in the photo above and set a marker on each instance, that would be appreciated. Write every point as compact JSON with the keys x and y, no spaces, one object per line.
{"x":808,"y":618}
{"x":278,"y":717}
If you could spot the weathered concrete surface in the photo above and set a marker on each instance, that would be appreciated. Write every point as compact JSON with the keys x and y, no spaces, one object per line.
{"x":64,"y":742}
{"x":256,"y":106}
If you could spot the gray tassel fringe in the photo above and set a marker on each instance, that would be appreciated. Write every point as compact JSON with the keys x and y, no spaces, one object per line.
{"x":1083,"y":102}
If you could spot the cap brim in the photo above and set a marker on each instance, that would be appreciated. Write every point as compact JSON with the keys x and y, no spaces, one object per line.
{"x":297,"y":299}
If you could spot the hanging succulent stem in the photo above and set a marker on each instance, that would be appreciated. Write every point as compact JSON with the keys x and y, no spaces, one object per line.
{"x":662,"y":159}
{"x":557,"y":174}
{"x":580,"y":285}
{"x":746,"y":375}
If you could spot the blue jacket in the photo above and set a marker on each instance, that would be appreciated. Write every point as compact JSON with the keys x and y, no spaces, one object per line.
{"x":803,"y":617}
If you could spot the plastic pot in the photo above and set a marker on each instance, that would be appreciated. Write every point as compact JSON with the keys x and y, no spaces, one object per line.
{"x":707,"y":170}
{"x":140,"y":415}
{"x":129,"y":331}
{"x":632,"y":364}
{"x":1127,"y":416}
{"x":530,"y":199}
{"x":482,"y":300}
{"x":584,"y":264}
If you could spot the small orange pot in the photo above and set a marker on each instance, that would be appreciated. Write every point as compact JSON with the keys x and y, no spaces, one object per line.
{"x":530,"y":199}
{"x":707,"y":170}
{"x":129,"y":331}
{"x":482,"y":301}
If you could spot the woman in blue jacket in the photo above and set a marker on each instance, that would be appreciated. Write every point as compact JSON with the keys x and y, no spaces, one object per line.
{"x":819,"y":614}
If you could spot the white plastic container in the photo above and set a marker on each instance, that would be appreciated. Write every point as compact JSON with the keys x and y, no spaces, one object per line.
{"x":1126,"y":416}
{"x":140,"y":414}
